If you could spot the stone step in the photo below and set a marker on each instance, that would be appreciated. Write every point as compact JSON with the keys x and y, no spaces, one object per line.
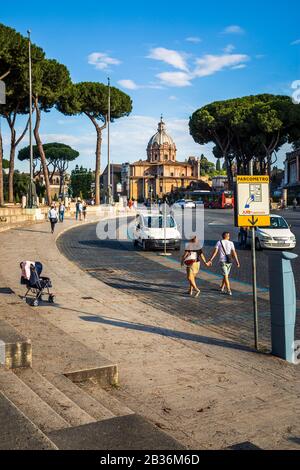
{"x":84,"y":400}
{"x":121,"y":433}
{"x":18,"y":432}
{"x":15,"y":349}
{"x":29,"y":403}
{"x":104,"y":397}
{"x":54,"y":398}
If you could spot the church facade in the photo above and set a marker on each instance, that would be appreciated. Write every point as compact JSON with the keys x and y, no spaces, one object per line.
{"x":160,"y":173}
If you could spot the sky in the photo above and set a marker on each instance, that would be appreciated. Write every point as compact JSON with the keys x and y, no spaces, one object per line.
{"x":171,"y":57}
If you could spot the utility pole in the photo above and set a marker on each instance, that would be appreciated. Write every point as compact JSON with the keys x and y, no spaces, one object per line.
{"x":108,"y":146}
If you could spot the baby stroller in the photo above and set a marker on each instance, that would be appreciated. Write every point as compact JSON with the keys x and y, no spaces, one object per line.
{"x":35,"y":283}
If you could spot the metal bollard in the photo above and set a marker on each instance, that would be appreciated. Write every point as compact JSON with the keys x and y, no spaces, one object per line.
{"x":283,"y":304}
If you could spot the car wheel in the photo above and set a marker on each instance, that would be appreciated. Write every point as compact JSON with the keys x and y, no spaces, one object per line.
{"x":257,"y":245}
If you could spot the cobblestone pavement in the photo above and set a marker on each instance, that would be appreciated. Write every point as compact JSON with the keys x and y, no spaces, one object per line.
{"x":161,"y":282}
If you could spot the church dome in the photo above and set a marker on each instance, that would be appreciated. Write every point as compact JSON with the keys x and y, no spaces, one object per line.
{"x":161,"y":137}
{"x":161,"y":141}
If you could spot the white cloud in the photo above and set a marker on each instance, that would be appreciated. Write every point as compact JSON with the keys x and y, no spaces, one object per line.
{"x":193,"y":39}
{"x":228,"y":49}
{"x":210,"y":64}
{"x":174,"y":58}
{"x":295,"y":43}
{"x":177,"y":79}
{"x":238,"y":67}
{"x":233,"y":29}
{"x":102,"y":61}
{"x":173,"y":98}
{"x":129,"y":84}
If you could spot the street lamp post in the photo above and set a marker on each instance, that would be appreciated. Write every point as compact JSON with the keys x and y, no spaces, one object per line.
{"x":108,"y":146}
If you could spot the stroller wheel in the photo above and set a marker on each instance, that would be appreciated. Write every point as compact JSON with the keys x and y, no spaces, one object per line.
{"x":51,"y":299}
{"x":35,"y":303}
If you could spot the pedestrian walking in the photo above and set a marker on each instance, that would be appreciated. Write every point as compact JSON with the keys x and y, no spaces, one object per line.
{"x":53,"y":217}
{"x":243,"y":237}
{"x":80,"y":210}
{"x":84,"y":209}
{"x":226,"y":250}
{"x":191,"y":260}
{"x":295,"y":204}
{"x":61,"y":211}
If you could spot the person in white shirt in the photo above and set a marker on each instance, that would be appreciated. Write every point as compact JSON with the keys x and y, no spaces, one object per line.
{"x":53,"y":217}
{"x":227,"y":252}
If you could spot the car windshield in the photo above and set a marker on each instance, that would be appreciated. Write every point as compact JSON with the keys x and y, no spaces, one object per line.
{"x":158,"y":222}
{"x":277,"y":223}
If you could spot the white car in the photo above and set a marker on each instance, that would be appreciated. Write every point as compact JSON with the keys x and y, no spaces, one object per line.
{"x":277,"y":236}
{"x":184,"y":204}
{"x":149,"y":232}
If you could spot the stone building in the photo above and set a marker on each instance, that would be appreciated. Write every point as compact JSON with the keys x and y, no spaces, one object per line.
{"x":292,"y":175}
{"x":161,"y":173}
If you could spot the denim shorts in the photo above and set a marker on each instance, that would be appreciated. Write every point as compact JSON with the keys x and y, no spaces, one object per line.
{"x":226,"y":268}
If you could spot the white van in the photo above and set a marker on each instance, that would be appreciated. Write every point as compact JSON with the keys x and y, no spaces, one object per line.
{"x":149,"y":232}
{"x":278,"y":236}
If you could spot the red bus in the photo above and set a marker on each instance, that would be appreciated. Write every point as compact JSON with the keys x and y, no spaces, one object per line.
{"x":215,"y":199}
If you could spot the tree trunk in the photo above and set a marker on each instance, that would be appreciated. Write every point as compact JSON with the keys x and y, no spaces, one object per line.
{"x":61,"y":183}
{"x":98,"y":167}
{"x":229,"y":173}
{"x":41,"y":149}
{"x":98,"y":157}
{"x":14,"y":142}
{"x":11,"y":167}
{"x":1,"y":171}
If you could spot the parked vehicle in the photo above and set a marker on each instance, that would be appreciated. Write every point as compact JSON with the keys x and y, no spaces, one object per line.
{"x":184,"y":204}
{"x":217,"y":199}
{"x":149,"y":232}
{"x":278,"y":236}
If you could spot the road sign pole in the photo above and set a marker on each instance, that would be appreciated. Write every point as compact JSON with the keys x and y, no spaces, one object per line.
{"x":254,"y":278}
{"x":254,"y":284}
{"x":253,"y":210}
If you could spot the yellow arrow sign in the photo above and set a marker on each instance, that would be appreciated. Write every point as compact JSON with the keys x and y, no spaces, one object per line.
{"x":254,"y":221}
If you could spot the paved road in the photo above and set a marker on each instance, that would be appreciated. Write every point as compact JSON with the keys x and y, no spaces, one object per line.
{"x":163,"y":284}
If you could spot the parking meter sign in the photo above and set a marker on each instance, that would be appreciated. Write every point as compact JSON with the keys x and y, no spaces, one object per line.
{"x":253,"y":201}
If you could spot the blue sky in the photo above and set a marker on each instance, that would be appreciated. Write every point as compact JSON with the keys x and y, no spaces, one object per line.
{"x":172,"y":57}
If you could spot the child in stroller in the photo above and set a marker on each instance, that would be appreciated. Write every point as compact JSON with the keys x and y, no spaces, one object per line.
{"x":35,"y":283}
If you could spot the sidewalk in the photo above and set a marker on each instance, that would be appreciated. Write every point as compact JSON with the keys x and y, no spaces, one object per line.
{"x":202,"y":389}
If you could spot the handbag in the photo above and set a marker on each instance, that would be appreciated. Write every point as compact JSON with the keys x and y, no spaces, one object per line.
{"x":189,"y":262}
{"x":228,"y":257}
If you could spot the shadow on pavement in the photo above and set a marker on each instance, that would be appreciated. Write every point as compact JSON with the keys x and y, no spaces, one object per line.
{"x":223,"y":343}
